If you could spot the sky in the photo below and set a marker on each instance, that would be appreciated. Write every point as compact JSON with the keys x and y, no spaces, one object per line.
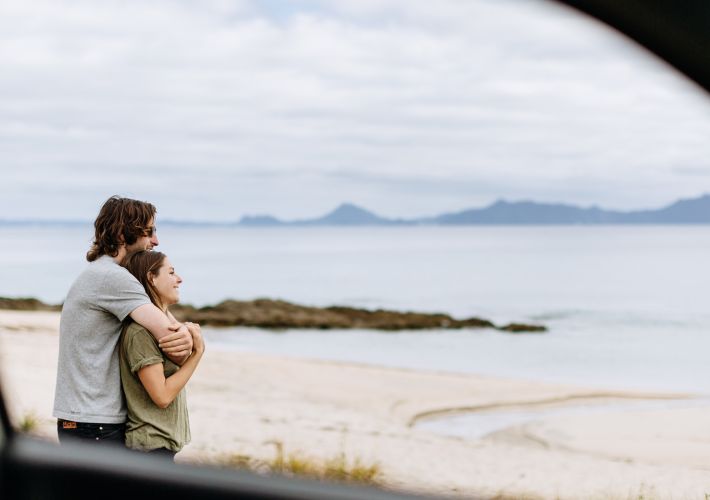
{"x":217,"y":109}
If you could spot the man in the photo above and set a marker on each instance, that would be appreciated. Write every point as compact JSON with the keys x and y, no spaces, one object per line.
{"x":88,"y":402}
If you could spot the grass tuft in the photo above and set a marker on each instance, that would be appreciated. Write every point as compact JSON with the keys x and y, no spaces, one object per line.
{"x":335,"y":469}
{"x":28,"y":423}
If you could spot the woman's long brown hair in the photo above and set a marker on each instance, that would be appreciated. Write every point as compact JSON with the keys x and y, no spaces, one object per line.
{"x":142,"y":265}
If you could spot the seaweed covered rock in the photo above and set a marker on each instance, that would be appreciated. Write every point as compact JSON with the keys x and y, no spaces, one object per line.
{"x":26,"y":304}
{"x":267,"y":313}
{"x":523,"y":328}
{"x":279,"y":314}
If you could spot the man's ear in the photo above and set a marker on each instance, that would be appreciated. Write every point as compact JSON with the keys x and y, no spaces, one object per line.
{"x":121,"y":240}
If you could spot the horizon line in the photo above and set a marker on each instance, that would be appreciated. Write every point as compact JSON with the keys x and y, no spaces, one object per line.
{"x":238,"y":221}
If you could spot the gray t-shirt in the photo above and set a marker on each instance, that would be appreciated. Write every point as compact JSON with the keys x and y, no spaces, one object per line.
{"x":88,"y":376}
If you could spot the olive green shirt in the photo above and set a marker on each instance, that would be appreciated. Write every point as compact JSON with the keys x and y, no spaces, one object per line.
{"x":149,"y":426}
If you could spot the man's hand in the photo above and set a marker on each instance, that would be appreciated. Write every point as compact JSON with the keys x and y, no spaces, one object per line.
{"x":198,"y":343}
{"x":175,"y":339}
{"x":178,"y":344}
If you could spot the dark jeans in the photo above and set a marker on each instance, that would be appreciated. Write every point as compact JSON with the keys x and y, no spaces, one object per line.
{"x":101,"y":434}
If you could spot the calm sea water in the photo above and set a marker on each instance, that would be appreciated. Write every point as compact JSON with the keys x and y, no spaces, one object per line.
{"x":627,"y":306}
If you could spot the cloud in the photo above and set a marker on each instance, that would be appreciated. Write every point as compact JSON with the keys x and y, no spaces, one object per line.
{"x":248,"y":100}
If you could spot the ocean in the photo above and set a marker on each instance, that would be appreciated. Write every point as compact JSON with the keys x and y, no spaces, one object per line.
{"x":626,"y":306}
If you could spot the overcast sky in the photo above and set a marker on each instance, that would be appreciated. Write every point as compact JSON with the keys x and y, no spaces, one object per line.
{"x":213,"y":110}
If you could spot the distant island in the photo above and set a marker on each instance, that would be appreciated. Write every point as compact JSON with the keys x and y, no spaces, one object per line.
{"x":282,"y":315}
{"x":502,"y":212}
{"x":690,"y":211}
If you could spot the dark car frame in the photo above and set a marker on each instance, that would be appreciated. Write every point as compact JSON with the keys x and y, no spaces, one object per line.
{"x":678,"y":31}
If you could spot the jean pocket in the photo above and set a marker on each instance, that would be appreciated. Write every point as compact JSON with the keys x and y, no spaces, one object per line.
{"x":117,"y":434}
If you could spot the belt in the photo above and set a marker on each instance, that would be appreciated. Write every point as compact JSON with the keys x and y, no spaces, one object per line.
{"x":70,"y":424}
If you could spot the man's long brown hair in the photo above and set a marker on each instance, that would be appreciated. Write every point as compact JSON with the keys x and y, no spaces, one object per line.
{"x":120,"y":221}
{"x":145,"y":264}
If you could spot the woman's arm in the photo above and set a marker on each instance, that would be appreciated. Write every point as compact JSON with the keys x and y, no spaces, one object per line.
{"x":164,"y":390}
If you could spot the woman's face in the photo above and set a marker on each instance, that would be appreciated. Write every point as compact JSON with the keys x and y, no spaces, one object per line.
{"x":167,"y":283}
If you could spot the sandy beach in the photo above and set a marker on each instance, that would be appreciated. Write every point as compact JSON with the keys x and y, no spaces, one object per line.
{"x":241,"y":404}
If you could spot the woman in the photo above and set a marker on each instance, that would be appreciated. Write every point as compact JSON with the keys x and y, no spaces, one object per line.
{"x":153,"y":385}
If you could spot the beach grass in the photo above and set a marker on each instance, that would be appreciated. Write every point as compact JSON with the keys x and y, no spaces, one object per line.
{"x":296,"y":464}
{"x":28,"y":423}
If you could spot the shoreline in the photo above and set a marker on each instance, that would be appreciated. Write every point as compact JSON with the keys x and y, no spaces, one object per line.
{"x":241,"y":403}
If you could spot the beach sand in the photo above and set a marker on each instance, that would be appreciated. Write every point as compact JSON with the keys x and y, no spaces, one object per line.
{"x":241,"y":404}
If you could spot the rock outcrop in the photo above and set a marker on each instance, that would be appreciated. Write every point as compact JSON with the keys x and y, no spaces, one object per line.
{"x":279,"y":314}
{"x":26,"y":304}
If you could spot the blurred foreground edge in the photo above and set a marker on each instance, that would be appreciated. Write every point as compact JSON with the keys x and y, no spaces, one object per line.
{"x":30,"y":469}
{"x":676,"y":31}
{"x":33,"y":469}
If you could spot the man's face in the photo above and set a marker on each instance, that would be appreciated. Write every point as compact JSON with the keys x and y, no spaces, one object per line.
{"x":147,"y":241}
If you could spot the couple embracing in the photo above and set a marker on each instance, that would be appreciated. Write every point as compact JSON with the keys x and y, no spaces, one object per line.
{"x":124,"y":360}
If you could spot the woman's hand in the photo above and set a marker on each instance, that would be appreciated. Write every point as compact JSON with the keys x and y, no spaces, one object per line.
{"x":198,"y":343}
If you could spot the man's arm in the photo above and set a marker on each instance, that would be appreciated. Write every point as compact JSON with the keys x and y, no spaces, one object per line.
{"x":163,"y":328}
{"x":171,"y":317}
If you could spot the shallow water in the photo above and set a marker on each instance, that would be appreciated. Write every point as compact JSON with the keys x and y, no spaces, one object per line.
{"x":476,"y":425}
{"x":626,"y":305}
{"x":659,"y":360}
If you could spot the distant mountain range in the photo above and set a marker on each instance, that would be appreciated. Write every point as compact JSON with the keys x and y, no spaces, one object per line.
{"x":346,"y":214}
{"x":690,"y":211}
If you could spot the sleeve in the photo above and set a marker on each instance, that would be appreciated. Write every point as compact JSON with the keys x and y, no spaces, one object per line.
{"x":140,"y":349}
{"x":121,"y":294}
